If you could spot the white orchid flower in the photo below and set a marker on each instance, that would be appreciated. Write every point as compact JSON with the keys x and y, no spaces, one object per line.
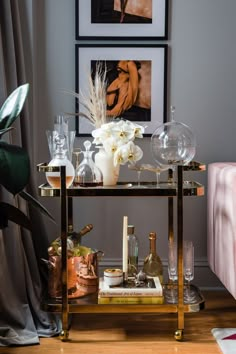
{"x":129,"y":152}
{"x":111,"y":145}
{"x":138,"y":130}
{"x":102,"y":134}
{"x":117,"y":139}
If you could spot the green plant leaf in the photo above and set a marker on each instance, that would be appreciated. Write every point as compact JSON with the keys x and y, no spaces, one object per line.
{"x":28,"y":197}
{"x":13,"y":105}
{"x":10,"y":212}
{"x":3,"y":131}
{"x":14,"y":167}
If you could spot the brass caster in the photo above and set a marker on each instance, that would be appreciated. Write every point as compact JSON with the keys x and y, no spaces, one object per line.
{"x":64,"y":335}
{"x":179,"y":334}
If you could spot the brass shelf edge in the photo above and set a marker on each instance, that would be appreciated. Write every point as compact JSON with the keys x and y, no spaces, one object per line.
{"x":163,"y":189}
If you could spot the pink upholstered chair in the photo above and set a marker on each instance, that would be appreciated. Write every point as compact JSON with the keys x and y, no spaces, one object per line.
{"x":221,"y":198}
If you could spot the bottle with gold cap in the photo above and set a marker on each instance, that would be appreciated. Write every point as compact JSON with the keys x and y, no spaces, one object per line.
{"x":132,"y":252}
{"x":73,"y":240}
{"x":152,"y":264}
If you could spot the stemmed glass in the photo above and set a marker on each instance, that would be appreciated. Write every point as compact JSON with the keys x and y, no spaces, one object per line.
{"x":138,"y":168}
{"x":188,"y":270}
{"x":147,"y":167}
{"x":171,"y":295}
{"x":76,"y":152}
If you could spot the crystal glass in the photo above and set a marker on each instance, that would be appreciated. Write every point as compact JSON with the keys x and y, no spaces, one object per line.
{"x":147,"y":167}
{"x":60,"y":159}
{"x":68,"y":142}
{"x":173,"y":143}
{"x":138,"y":168}
{"x":172,"y":294}
{"x":87,"y":174}
{"x":76,"y":161}
{"x":188,"y":270}
{"x":61,"y":124}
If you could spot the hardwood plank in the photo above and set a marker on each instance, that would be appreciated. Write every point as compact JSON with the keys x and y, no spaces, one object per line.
{"x":141,"y":333}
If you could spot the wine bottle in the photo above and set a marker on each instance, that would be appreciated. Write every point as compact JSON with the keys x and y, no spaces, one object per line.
{"x":152,"y":264}
{"x":132,"y":252}
{"x":76,"y":236}
{"x":73,"y":240}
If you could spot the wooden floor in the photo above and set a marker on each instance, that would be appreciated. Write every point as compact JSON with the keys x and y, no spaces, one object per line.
{"x":142,"y":334}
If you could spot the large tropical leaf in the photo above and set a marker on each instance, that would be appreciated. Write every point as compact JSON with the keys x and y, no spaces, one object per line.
{"x":13,"y":105}
{"x":14,"y":167}
{"x":10,"y":212}
{"x":28,"y":197}
{"x":4,"y":131}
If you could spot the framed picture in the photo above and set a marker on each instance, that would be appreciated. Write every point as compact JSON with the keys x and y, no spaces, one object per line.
{"x":121,"y":19}
{"x":137,"y":71}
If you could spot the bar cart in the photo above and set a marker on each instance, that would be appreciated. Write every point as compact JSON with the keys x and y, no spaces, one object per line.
{"x":89,"y":304}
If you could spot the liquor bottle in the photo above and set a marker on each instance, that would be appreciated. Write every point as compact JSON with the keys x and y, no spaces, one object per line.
{"x":73,"y":241}
{"x":132,"y":252}
{"x":60,"y":159}
{"x":152,"y":264}
{"x":87,"y":174}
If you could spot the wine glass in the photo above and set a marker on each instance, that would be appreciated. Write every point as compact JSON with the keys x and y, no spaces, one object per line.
{"x":171,"y":295}
{"x":188,"y":270}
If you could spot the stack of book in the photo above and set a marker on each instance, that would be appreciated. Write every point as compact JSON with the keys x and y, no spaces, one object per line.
{"x":128,"y":294}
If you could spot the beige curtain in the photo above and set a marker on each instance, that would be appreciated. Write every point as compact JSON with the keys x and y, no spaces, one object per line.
{"x":22,"y":278}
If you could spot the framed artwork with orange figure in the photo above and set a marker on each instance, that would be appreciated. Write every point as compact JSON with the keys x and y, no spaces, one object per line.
{"x":135,"y":82}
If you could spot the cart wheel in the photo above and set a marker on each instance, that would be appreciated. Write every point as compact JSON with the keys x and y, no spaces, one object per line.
{"x":179,"y":334}
{"x":64,"y":335}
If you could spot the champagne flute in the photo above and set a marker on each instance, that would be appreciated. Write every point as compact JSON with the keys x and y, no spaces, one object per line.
{"x":188,"y":270}
{"x":171,"y":296}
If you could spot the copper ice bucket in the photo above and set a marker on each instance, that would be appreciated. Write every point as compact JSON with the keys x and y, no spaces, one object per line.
{"x":82,"y":275}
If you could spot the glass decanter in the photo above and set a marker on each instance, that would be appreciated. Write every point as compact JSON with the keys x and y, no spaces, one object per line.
{"x":173,"y":143}
{"x":60,"y":159}
{"x":87,"y":174}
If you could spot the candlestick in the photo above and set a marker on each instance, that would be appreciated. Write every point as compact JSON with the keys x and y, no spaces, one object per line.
{"x":125,"y":247}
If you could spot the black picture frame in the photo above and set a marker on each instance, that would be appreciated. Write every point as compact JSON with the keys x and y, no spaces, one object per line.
{"x":153,"y":56}
{"x":97,"y":19}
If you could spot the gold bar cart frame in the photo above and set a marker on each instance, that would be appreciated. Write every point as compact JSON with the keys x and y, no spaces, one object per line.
{"x":164,"y":189}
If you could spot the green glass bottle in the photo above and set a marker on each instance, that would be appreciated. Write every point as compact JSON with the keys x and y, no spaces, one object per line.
{"x":152,"y":264}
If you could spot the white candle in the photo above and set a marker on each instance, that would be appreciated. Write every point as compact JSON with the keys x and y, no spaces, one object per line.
{"x":125,"y":247}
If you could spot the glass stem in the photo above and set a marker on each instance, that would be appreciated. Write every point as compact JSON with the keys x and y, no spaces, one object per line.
{"x":188,"y":290}
{"x":158,"y":177}
{"x":139,"y":176}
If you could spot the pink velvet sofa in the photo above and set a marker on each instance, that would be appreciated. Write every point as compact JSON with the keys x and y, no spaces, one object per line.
{"x":221,"y":197}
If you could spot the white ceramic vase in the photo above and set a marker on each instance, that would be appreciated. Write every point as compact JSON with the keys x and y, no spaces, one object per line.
{"x":105,"y":163}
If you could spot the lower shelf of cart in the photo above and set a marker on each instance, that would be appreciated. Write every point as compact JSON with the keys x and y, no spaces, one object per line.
{"x":89,"y":304}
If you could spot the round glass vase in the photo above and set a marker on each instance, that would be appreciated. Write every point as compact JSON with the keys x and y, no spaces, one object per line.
{"x":105,"y":163}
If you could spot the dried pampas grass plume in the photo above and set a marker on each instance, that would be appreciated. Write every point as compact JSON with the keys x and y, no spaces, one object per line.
{"x":94,"y":101}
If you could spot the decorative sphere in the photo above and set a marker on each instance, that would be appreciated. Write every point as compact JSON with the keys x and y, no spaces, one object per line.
{"x":173,"y":143}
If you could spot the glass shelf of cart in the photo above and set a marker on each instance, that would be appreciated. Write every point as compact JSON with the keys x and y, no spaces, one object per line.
{"x":163,"y":189}
{"x":89,"y":303}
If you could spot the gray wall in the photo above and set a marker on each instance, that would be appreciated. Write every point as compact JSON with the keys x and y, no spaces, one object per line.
{"x":202,"y":86}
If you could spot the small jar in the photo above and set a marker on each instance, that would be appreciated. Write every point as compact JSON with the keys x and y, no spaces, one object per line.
{"x":113,"y":277}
